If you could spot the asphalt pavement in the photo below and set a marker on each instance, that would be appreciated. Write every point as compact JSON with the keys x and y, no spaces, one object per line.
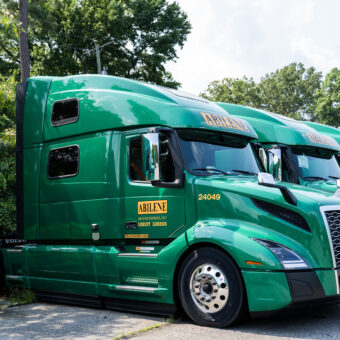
{"x":54,"y":321}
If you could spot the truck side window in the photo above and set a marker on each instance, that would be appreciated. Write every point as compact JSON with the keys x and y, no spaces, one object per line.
{"x":63,"y":162}
{"x":136,"y":160}
{"x":65,"y":112}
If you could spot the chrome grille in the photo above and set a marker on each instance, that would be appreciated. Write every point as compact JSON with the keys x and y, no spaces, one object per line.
{"x":333,"y":219}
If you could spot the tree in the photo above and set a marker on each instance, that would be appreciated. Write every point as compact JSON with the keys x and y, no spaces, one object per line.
{"x":328,"y":99}
{"x":145,"y":35}
{"x":291,"y":90}
{"x":9,"y":53}
{"x":7,"y":156}
{"x":234,"y":90}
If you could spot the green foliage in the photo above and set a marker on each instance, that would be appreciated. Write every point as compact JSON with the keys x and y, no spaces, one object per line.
{"x":9,"y":36}
{"x":236,"y":91}
{"x":7,"y":102}
{"x":291,"y":90}
{"x":7,"y":156}
{"x":18,"y":296}
{"x":328,"y":99}
{"x":7,"y":182}
{"x":144,"y":34}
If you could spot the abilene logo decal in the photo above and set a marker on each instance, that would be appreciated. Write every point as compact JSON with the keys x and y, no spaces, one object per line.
{"x":153,"y":207}
{"x":320,"y":139}
{"x":213,"y":119}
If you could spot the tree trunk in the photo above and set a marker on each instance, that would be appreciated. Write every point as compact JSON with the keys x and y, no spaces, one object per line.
{"x":23,"y":40}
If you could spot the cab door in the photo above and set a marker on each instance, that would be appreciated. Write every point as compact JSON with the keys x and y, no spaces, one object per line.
{"x":149,"y":212}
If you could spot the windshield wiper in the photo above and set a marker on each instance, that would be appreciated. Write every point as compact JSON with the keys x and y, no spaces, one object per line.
{"x":314,"y":178}
{"x":245,"y":172}
{"x":212,"y":169}
{"x":334,"y":177}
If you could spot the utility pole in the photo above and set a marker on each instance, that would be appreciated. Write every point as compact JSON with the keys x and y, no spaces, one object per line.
{"x":99,"y":66}
{"x":98,"y":50}
{"x":23,"y":40}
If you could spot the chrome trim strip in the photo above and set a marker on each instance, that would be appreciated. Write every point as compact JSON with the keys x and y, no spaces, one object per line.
{"x":13,"y":277}
{"x":137,"y":288}
{"x":137,"y":255}
{"x":323,"y":209}
{"x":12,"y":250}
{"x":176,"y":230}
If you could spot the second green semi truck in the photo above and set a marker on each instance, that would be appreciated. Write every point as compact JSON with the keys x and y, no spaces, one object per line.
{"x":138,"y":197}
{"x":296,"y":153}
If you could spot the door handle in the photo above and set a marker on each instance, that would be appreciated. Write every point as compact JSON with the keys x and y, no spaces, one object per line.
{"x":131,"y":225}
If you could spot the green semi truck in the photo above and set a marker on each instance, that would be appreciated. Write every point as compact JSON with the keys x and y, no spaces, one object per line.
{"x":295,"y":152}
{"x":137,"y":197}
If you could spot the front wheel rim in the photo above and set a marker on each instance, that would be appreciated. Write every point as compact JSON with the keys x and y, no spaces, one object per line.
{"x":209,"y":288}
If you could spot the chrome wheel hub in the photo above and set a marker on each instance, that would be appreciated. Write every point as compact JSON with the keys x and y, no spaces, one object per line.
{"x":209,"y":288}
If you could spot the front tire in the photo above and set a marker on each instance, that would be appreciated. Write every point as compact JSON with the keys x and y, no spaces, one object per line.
{"x":211,"y":288}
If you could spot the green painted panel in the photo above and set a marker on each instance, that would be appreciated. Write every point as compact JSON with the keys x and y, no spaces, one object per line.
{"x":328,"y":281}
{"x":31,"y":192}
{"x":68,"y":269}
{"x":85,"y":213}
{"x":36,"y":98}
{"x":55,"y":221}
{"x":106,"y":265}
{"x":64,"y":286}
{"x":266,"y":290}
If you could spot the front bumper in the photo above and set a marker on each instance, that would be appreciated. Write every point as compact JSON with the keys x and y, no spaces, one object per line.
{"x":272,"y":291}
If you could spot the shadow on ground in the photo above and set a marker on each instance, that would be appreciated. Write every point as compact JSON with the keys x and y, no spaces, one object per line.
{"x":320,"y":323}
{"x":49,"y":321}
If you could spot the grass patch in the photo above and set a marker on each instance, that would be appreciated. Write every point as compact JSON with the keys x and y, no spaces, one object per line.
{"x":143,"y":330}
{"x":21,"y":297}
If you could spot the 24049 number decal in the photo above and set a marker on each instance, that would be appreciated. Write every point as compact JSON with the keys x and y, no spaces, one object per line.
{"x":209,"y":197}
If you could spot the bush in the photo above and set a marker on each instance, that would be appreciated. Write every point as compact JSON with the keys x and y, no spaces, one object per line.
{"x":7,"y":182}
{"x":7,"y":156}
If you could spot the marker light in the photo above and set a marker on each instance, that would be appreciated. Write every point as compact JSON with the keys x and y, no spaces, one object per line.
{"x":287,"y":257}
{"x":254,"y":263}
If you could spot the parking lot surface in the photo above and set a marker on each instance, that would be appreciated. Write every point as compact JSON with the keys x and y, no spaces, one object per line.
{"x":53,"y":321}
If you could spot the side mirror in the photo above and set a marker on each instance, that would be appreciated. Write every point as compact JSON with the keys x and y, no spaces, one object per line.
{"x":150,"y":152}
{"x":275,"y":163}
{"x":156,"y":153}
{"x":265,"y":178}
{"x":263,"y":158}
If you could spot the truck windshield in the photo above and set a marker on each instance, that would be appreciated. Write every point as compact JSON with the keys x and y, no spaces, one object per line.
{"x":316,"y":164}
{"x":217,"y":153}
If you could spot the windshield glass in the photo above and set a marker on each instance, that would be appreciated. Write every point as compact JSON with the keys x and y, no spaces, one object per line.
{"x":217,"y":153}
{"x":316,"y":164}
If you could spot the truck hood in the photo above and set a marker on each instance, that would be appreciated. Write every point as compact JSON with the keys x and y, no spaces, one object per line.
{"x":249,"y":186}
{"x":323,"y":185}
{"x":238,"y":195}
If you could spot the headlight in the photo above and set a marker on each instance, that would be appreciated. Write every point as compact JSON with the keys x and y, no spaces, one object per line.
{"x":287,"y":257}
